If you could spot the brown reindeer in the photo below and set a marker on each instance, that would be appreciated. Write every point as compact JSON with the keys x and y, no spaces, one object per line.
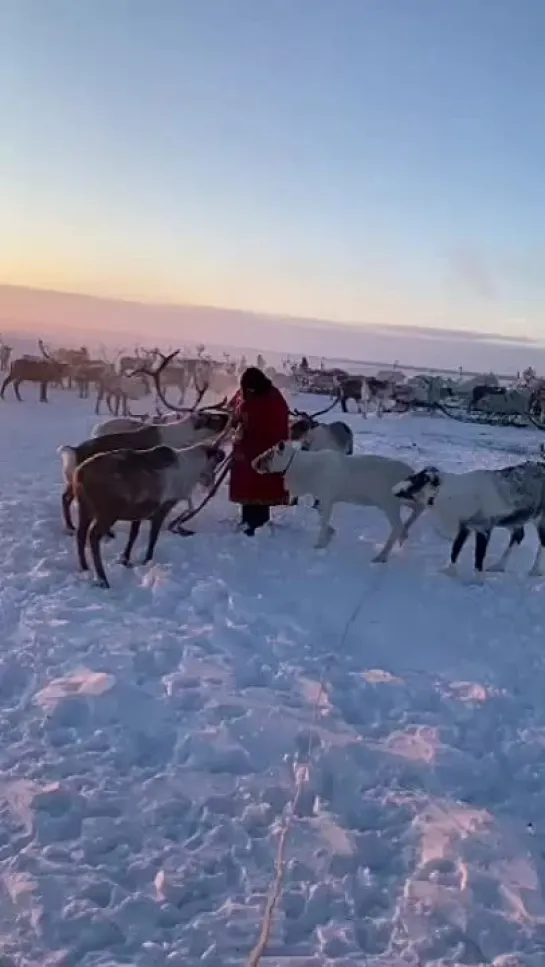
{"x":197,"y":427}
{"x":136,"y":485}
{"x":29,"y":369}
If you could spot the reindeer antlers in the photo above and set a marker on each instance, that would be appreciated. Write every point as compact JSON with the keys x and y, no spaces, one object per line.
{"x":313,"y":416}
{"x":44,"y":353}
{"x":155,"y":375}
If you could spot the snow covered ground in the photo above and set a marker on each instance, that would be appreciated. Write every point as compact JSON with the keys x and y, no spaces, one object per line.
{"x":150,"y":734}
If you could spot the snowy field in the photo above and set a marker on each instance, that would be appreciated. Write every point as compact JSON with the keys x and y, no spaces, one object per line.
{"x":150,"y":734}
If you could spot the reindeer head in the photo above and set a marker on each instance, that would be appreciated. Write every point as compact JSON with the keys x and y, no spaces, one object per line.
{"x":213,"y":457}
{"x":301,"y":426}
{"x":214,"y":421}
{"x":421,"y":487}
{"x":275,"y":460}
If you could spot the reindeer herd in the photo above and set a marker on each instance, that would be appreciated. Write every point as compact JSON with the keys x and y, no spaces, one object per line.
{"x":478,"y":399}
{"x":117,"y":383}
{"x":131,"y":470}
{"x":126,"y":380}
{"x":138,"y":468}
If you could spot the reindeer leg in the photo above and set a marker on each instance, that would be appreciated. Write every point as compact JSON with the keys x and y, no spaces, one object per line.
{"x":326,"y":531}
{"x":125,"y":558}
{"x":411,"y":520}
{"x":66,"y":500}
{"x":16,"y":386}
{"x":84,"y":524}
{"x":535,"y":570}
{"x":457,"y":545}
{"x":396,"y":530}
{"x":482,"y":540}
{"x":156,"y":523}
{"x":96,"y":532}
{"x":517,"y":537}
{"x":5,"y":384}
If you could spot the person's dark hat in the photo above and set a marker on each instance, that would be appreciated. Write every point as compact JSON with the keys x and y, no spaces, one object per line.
{"x":253,"y":380}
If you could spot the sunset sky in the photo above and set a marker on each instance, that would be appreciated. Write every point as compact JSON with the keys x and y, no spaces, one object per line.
{"x":374,"y":161}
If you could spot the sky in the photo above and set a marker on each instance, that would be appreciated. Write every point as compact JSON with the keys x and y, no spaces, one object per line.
{"x":366,"y":161}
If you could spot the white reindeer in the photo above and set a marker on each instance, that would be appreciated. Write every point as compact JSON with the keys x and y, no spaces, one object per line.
{"x":332,"y":478}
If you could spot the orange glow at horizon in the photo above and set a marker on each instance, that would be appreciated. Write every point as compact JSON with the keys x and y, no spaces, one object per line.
{"x":142,"y":280}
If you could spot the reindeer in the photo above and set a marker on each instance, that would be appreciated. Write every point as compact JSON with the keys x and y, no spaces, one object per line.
{"x":5,"y":356}
{"x":117,"y":389}
{"x":312,"y":435}
{"x":127,"y":364}
{"x":178,"y":376}
{"x":29,"y":369}
{"x":363,"y":390}
{"x":136,"y":485}
{"x":332,"y":478}
{"x":198,"y":425}
{"x":74,"y":358}
{"x":87,"y":373}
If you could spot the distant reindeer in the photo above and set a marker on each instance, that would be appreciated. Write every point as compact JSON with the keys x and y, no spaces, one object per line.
{"x":116,"y":389}
{"x":86,"y":374}
{"x":364,"y":390}
{"x":29,"y":369}
{"x":5,"y":356}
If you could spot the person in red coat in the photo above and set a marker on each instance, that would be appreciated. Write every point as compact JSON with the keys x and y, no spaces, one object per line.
{"x":263,"y":419}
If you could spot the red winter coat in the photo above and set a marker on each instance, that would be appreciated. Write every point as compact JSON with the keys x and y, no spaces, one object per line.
{"x":264,"y":423}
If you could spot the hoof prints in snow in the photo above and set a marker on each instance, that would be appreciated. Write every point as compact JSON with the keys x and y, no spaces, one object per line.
{"x":150,"y":738}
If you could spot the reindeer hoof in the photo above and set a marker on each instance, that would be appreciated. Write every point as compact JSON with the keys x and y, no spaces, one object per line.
{"x":323,"y":542}
{"x":449,"y":570}
{"x":476,"y":579}
{"x":101,"y":583}
{"x":125,"y":562}
{"x":379,"y":559}
{"x":110,"y":536}
{"x":70,"y":531}
{"x":181,"y":531}
{"x":496,"y":568}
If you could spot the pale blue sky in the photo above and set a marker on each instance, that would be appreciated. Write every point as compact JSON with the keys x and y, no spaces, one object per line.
{"x":360,"y":160}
